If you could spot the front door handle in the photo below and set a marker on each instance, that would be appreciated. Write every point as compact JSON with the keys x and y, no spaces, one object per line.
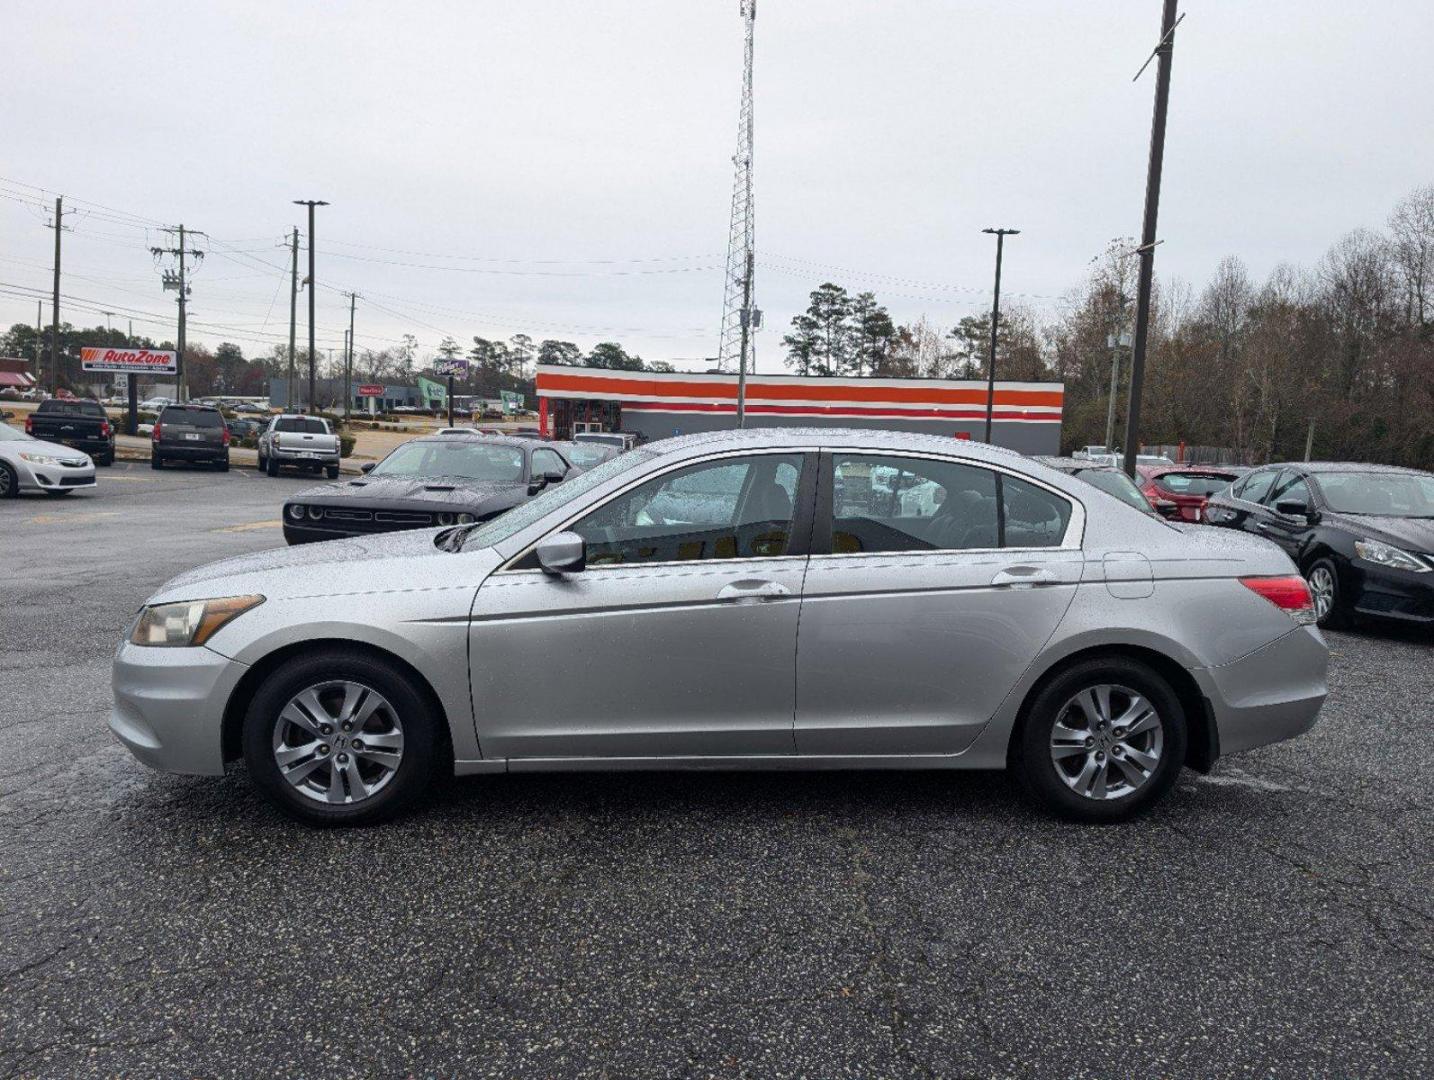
{"x":753,"y":589}
{"x":1023,"y":577}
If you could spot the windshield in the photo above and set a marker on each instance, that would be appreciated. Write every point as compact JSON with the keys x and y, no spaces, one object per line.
{"x":1378,"y":494}
{"x":1194,"y":483}
{"x":302,"y":424}
{"x":9,"y":434}
{"x":1114,"y":482}
{"x":469,"y":460}
{"x":554,"y":496}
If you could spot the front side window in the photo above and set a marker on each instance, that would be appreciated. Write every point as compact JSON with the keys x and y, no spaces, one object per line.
{"x":1291,"y":487}
{"x":1255,"y":486}
{"x":547,"y":461}
{"x":733,"y":508}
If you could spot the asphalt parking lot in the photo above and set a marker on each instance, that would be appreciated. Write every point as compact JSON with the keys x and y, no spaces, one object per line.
{"x":1273,"y":919}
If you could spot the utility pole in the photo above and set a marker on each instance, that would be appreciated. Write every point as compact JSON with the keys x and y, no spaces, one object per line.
{"x":313,"y":286}
{"x":1000,"y":235}
{"x":55,"y":303}
{"x":739,"y":318}
{"x":39,"y":314}
{"x":180,"y":283}
{"x":293,"y":316}
{"x":746,"y":337}
{"x":349,"y":359}
{"x":1164,"y":52}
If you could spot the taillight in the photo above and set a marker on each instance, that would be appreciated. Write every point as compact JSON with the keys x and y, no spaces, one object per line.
{"x":105,"y":428}
{"x":226,"y":435}
{"x":29,"y":425}
{"x":1290,"y":594}
{"x":155,"y":436}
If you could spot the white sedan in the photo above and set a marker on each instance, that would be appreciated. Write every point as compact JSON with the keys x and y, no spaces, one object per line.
{"x":30,"y":464}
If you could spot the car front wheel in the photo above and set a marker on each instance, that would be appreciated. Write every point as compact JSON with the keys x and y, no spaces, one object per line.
{"x":1323,"y":581}
{"x":340,"y":738}
{"x":9,"y":482}
{"x":1103,"y":741}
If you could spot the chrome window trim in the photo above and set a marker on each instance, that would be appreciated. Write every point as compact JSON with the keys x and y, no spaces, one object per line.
{"x":507,"y":567}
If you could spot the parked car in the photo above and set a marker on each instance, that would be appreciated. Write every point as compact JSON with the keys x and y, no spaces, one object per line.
{"x":194,"y":434}
{"x":155,"y":404}
{"x":434,"y":480}
{"x":586,"y":455}
{"x":250,"y":407}
{"x":644,"y":615}
{"x":1184,"y":488}
{"x":1362,"y":535}
{"x":76,"y":423}
{"x":31,"y":464}
{"x":243,"y":429}
{"x":526,"y":432}
{"x":1113,"y":481}
{"x":458,"y":431}
{"x":618,"y":439}
{"x":300,"y":442}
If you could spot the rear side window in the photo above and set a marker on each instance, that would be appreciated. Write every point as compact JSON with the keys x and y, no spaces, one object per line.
{"x":882,"y":503}
{"x":1034,"y":517}
{"x":202,"y":418}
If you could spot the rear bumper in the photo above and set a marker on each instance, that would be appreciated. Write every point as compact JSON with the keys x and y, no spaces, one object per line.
{"x":169,"y":706}
{"x":93,"y":447}
{"x":304,"y":457}
{"x":1270,"y":695}
{"x":190,"y":451}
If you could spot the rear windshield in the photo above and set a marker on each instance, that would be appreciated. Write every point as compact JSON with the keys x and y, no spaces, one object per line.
{"x":206,"y":418}
{"x":303,"y":424}
{"x":1194,"y":483}
{"x":71,"y":408}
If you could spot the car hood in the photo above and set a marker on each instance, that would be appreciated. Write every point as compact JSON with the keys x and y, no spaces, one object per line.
{"x":440,"y":490}
{"x":378,"y":563}
{"x":1414,"y":534}
{"x":41,"y":446}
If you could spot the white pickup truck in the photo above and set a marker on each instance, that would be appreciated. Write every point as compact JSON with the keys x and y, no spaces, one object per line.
{"x":303,"y":442}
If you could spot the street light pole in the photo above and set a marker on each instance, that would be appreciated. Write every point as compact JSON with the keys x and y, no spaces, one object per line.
{"x":1000,"y":235}
{"x":313,"y":357}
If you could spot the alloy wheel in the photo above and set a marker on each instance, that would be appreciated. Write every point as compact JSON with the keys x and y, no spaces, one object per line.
{"x":1106,"y":742}
{"x":1321,"y":583}
{"x":338,"y":742}
{"x":4,"y":483}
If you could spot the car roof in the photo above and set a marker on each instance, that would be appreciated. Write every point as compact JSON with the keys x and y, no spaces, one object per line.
{"x":1071,"y":465}
{"x":872,"y":438}
{"x":1317,"y":467}
{"x":1160,"y":470}
{"x":474,"y":436}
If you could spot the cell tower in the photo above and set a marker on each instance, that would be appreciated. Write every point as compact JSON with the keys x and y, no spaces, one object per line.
{"x":739,"y":316}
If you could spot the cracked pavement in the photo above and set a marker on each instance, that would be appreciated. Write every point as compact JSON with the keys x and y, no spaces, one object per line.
{"x":1273,"y":919}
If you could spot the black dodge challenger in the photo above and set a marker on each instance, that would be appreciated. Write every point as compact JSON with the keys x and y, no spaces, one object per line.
{"x":426,"y":482}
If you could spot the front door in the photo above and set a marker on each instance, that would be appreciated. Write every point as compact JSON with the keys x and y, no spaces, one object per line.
{"x":932,"y":586}
{"x":677,"y":640}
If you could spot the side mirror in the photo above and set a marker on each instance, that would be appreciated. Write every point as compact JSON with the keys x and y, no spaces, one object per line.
{"x":554,"y":477}
{"x":1294,"y":508}
{"x":367,"y":466}
{"x":562,"y":553}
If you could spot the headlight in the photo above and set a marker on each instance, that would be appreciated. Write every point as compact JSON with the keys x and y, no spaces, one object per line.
{"x":189,"y":622}
{"x":1382,"y":554}
{"x":316,"y":512}
{"x":466,"y":519}
{"x":445,"y":519}
{"x":39,"y":459}
{"x":296,"y":511}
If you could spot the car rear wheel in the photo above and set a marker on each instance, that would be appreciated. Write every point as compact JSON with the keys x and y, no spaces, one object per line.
{"x":1331,"y":612}
{"x":332,"y":472}
{"x":271,"y":467}
{"x":9,"y":482}
{"x":223,"y":465}
{"x":155,"y":461}
{"x":1103,"y":741}
{"x":340,"y":738}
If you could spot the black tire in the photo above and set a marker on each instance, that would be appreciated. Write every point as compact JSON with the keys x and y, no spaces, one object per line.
{"x":1339,"y":616}
{"x":421,"y":740}
{"x":107,"y":460}
{"x":9,"y":482}
{"x":262,"y":463}
{"x":155,"y":461}
{"x":223,"y":465}
{"x":332,"y":472}
{"x":1042,"y":778}
{"x":271,"y":467}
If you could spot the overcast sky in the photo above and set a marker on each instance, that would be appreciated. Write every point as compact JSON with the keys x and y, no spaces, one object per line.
{"x":562,"y":168}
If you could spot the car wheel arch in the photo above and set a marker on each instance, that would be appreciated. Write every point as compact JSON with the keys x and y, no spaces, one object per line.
{"x":1203,"y":747}
{"x":237,"y":706}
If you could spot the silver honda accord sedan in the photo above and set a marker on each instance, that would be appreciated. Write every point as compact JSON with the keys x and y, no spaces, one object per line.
{"x":765,"y":599}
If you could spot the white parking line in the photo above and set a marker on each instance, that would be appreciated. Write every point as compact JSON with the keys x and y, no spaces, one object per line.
{"x":1236,"y":778}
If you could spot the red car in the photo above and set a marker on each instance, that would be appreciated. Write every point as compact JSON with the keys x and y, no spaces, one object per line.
{"x":1183,"y":489}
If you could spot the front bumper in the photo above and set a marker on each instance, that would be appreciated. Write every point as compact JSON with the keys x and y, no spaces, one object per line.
{"x":169,"y":706}
{"x":1393,"y":594}
{"x":1270,"y":695}
{"x":34,"y":477}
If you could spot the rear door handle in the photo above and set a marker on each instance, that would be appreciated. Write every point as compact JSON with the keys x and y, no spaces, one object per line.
{"x":1023,"y":577}
{"x":753,"y":589}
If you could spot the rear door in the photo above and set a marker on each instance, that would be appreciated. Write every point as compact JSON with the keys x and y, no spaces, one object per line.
{"x":932,"y":585}
{"x":200,"y":429}
{"x":677,"y":640}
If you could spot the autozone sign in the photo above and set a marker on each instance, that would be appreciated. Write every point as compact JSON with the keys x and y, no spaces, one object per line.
{"x":371,"y":390}
{"x":129,"y":361}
